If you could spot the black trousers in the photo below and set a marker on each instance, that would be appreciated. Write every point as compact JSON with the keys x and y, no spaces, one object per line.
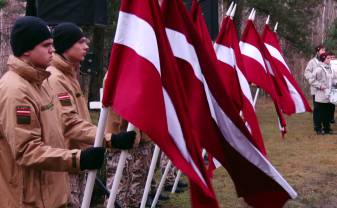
{"x":315,"y":119}
{"x":332,"y":112}
{"x":323,"y":117}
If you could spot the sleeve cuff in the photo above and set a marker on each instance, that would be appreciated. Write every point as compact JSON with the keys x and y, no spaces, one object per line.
{"x":74,"y":162}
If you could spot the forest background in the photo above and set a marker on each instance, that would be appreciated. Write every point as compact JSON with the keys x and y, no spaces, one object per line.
{"x":303,"y":24}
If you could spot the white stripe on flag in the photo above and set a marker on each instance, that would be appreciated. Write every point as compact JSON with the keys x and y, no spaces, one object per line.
{"x":252,"y":52}
{"x":145,"y":45}
{"x":183,"y":49}
{"x":296,"y":97}
{"x":270,"y":69}
{"x":276,"y":54}
{"x":139,"y":36}
{"x":223,"y":53}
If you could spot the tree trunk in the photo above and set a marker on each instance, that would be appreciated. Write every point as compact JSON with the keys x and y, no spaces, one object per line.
{"x":8,"y":14}
{"x":98,"y":49}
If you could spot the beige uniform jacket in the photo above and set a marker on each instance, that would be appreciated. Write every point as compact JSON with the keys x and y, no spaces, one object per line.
{"x":79,"y":131}
{"x":34,"y":160}
{"x":309,"y":73}
{"x":322,"y":80}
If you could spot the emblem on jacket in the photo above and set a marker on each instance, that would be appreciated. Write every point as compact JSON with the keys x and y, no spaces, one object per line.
{"x":23,"y":114}
{"x":64,"y":99}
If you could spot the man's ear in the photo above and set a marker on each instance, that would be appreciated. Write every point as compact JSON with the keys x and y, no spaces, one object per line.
{"x":27,"y":53}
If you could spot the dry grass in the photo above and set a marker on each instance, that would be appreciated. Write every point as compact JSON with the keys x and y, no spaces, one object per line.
{"x":308,"y":162}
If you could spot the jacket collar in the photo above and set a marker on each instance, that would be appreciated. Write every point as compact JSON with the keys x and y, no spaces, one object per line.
{"x":26,"y":71}
{"x":63,"y":65}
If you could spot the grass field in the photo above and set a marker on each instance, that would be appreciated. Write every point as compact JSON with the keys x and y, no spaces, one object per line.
{"x":308,"y":162}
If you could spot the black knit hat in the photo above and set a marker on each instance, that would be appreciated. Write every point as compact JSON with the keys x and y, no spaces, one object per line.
{"x":28,"y":32}
{"x":65,"y":35}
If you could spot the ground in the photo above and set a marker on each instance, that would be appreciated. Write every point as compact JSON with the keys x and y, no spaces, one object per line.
{"x":308,"y":162}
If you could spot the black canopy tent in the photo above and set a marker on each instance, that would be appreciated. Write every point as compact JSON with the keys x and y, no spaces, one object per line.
{"x":81,"y":12}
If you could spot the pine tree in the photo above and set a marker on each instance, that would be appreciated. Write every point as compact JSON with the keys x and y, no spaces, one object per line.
{"x":331,"y":41}
{"x":2,"y":3}
{"x":294,"y":17}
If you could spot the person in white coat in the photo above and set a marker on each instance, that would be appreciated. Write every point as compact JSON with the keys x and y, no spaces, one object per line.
{"x":322,"y":80}
{"x":308,"y":74}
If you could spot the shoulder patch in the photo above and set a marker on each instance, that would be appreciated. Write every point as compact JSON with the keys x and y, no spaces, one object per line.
{"x":23,"y":114}
{"x":64,"y":99}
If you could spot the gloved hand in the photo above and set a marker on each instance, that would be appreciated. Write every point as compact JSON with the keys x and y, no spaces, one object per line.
{"x":92,"y":158}
{"x":123,"y":140}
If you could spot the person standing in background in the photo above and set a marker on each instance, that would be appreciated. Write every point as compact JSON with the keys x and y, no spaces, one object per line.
{"x":308,"y":74}
{"x":322,"y":80}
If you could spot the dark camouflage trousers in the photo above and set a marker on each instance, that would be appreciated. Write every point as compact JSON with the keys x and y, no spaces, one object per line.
{"x":131,"y":188}
{"x":171,"y":175}
{"x":77,"y":186}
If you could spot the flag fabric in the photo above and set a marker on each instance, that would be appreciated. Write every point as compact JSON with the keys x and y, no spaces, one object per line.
{"x":260,"y":72}
{"x":255,"y":179}
{"x":229,"y":55}
{"x":144,"y":85}
{"x":272,"y":44}
{"x":231,"y":79}
{"x":231,"y":82}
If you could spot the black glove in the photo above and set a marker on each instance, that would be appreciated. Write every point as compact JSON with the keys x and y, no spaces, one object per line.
{"x":123,"y":140}
{"x":92,"y":158}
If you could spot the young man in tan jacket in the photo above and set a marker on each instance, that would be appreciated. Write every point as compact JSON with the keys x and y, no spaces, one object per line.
{"x":70,"y":49}
{"x":34,"y":159}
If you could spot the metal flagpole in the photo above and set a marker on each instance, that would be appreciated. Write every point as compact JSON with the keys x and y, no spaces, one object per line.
{"x":161,"y":184}
{"x":176,"y":181}
{"x":89,"y":186}
{"x":118,"y":174}
{"x":150,"y":176}
{"x":255,"y":97}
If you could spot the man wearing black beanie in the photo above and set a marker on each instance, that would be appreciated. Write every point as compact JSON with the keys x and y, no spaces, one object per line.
{"x":70,"y":49}
{"x":34,"y":159}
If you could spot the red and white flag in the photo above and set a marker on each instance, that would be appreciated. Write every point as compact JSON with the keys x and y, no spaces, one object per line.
{"x":254,"y":177}
{"x":272,"y":43}
{"x":144,"y":85}
{"x":230,"y":80}
{"x":228,"y":53}
{"x":259,"y":70}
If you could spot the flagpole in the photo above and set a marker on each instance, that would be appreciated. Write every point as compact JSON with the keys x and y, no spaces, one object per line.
{"x":229,"y":10}
{"x":255,"y":97}
{"x":161,"y":184}
{"x":89,"y":186}
{"x":176,"y":181}
{"x":275,"y":28}
{"x":150,"y":176}
{"x":118,"y":174}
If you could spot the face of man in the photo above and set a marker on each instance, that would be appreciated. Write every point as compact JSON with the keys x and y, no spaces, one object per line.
{"x":41,"y":54}
{"x":78,"y":51}
{"x":321,"y":51}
